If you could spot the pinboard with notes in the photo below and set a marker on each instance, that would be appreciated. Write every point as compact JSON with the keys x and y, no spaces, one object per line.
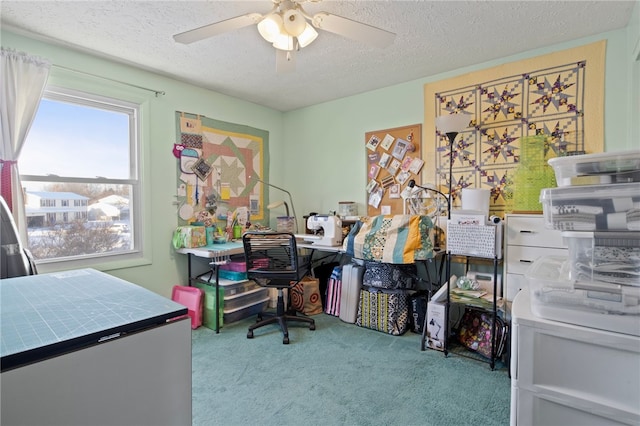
{"x":394,"y":157}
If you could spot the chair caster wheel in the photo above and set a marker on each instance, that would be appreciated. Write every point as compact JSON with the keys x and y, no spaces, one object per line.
{"x":250,"y":335}
{"x":312,"y":327}
{"x":285,"y":341}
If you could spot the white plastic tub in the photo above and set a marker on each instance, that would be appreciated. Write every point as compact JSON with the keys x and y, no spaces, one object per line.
{"x":594,"y":169}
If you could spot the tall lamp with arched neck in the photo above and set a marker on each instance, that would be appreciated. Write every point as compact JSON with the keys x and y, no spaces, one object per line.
{"x":451,"y":125}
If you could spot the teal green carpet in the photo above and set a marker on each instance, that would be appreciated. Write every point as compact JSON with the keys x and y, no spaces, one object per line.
{"x":339,"y":374}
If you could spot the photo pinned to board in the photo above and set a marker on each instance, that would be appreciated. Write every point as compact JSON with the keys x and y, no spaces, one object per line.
{"x":400,"y":149}
{"x":406,"y":163}
{"x":403,"y":177}
{"x":416,"y":165}
{"x":387,"y":141}
{"x":384,"y":160}
{"x":394,"y":191}
{"x":394,"y":167}
{"x":371,"y":186}
{"x":374,"y":169}
{"x":387,"y":181}
{"x":373,"y":143}
{"x":376,"y":197}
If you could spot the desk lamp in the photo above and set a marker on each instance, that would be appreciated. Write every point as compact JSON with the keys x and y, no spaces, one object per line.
{"x":451,"y":125}
{"x":412,"y":183}
{"x":295,"y":221}
{"x":277,"y":204}
{"x":288,"y":219}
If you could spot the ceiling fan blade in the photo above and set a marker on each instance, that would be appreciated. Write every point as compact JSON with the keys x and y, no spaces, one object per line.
{"x":285,"y":61}
{"x":353,"y":30}
{"x":214,"y":29}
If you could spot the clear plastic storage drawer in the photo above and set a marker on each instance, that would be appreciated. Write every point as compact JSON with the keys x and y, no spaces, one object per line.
{"x":609,"y":257}
{"x":592,"y":208}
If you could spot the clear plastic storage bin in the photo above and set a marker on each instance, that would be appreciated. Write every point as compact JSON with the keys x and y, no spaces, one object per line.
{"x":233,"y":315}
{"x":613,"y":207}
{"x":596,"y":169}
{"x":603,"y":306}
{"x":610,"y":257}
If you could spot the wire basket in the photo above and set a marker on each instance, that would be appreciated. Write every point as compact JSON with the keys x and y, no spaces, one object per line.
{"x":471,"y":240}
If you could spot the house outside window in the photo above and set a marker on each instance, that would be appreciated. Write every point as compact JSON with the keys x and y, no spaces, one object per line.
{"x":80,"y":174}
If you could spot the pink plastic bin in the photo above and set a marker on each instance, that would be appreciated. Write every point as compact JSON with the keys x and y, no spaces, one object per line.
{"x":236,"y":266}
{"x":192,"y":298}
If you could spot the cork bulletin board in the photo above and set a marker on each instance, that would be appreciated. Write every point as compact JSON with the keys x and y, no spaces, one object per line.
{"x":394,"y":157}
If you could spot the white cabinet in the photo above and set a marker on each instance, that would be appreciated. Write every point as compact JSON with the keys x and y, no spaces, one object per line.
{"x":565,"y":374}
{"x":526,"y":239}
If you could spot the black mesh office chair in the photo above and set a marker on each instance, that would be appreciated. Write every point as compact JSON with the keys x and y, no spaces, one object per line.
{"x":272,"y":261}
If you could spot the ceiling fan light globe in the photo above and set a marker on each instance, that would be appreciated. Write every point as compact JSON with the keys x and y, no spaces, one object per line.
{"x":283,"y":42}
{"x":270,"y":27}
{"x":308,"y":35}
{"x":294,"y":22}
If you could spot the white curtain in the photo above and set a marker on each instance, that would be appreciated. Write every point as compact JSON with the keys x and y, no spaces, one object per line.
{"x":23,"y":78}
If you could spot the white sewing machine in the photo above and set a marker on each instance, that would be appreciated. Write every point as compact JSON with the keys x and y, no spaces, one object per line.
{"x":331,"y":227}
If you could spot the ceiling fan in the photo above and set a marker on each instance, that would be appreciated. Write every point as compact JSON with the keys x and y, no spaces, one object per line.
{"x":289,"y":28}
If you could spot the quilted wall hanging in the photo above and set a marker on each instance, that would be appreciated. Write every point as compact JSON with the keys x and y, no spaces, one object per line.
{"x":522,"y":114}
{"x":218,"y":167}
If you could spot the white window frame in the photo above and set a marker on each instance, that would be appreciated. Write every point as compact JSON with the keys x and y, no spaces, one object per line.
{"x":114,"y":260}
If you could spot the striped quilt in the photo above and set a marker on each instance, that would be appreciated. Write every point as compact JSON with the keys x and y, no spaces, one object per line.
{"x":391,"y":239}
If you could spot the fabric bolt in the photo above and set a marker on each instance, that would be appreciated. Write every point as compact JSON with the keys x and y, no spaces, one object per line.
{"x":334,"y":290}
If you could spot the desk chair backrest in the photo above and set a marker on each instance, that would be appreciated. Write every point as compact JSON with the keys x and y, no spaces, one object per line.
{"x":272,"y":258}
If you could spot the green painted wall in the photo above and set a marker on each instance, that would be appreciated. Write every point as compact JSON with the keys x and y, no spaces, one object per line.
{"x":163,"y":268}
{"x":316,"y":152}
{"x":334,"y":131}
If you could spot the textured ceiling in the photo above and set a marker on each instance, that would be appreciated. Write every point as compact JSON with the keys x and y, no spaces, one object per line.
{"x":432,"y":37}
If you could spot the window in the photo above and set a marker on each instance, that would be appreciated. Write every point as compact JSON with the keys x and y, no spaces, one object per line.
{"x":79,"y":169}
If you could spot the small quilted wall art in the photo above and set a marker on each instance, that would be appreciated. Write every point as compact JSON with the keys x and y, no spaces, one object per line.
{"x":202,"y":169}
